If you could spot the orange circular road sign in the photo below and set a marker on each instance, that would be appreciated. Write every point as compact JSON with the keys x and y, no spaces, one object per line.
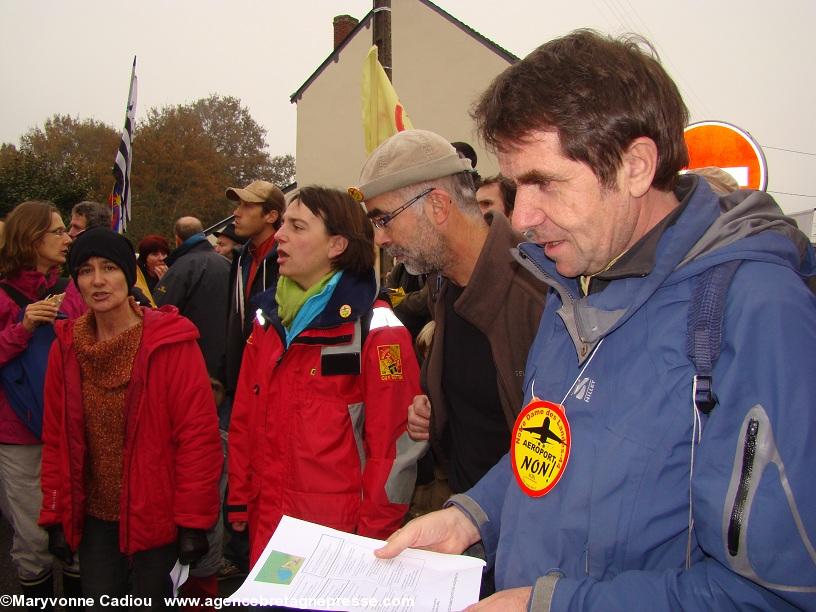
{"x":717,"y":143}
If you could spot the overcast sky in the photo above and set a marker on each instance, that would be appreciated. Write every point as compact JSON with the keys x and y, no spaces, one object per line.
{"x":748,"y":62}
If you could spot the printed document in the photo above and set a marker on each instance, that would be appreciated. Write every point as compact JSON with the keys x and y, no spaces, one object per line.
{"x":305,"y":565}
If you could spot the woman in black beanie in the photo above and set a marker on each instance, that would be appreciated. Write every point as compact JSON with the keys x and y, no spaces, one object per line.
{"x":132,"y":453}
{"x":102,"y":242}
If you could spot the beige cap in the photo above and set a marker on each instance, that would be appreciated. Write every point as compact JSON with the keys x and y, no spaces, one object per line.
{"x":257,"y":192}
{"x":407,"y":158}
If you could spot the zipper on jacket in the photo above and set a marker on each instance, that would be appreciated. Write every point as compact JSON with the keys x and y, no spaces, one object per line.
{"x":562,"y":291}
{"x":130,"y":452}
{"x":569,"y":301}
{"x":66,"y":421}
{"x":738,"y":510}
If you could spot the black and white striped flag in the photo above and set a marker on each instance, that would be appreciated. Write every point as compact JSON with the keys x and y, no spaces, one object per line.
{"x":120,"y":195}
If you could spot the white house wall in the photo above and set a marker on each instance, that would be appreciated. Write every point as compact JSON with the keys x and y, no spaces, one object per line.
{"x":439,"y":70}
{"x":330,"y":149}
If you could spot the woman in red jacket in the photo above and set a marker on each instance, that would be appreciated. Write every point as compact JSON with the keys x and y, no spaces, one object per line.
{"x":318,"y":428}
{"x":33,"y":246}
{"x":132,"y":453}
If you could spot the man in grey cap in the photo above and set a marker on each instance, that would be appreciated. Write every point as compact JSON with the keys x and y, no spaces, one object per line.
{"x":258,"y":215}
{"x":421,"y":199}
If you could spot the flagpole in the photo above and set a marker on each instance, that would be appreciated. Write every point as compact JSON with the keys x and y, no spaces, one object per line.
{"x":381,"y":35}
{"x":120,"y":194}
{"x":130,"y":88}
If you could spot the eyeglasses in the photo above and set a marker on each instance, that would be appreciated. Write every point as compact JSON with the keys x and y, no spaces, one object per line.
{"x":58,"y":232}
{"x":381,"y":222}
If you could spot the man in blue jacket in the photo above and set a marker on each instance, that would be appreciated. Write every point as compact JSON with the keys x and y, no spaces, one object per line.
{"x":198,"y":284}
{"x":619,"y":492}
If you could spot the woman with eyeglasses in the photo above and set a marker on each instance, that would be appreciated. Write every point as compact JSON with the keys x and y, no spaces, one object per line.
{"x":318,"y":428}
{"x":33,"y":246}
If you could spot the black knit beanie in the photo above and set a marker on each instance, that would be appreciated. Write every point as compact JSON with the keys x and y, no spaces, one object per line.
{"x":103,"y":242}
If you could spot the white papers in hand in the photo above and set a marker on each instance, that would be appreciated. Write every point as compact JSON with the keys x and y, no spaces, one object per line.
{"x":305,"y":565}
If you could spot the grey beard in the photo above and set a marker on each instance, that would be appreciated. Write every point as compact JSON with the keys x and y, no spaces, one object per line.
{"x":417,"y":268}
{"x":421,"y":263}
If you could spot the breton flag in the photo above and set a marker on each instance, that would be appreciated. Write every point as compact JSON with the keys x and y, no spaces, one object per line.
{"x":383,"y":115}
{"x":120,"y":195}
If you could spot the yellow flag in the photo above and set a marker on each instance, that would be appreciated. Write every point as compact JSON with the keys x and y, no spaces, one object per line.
{"x":141,"y":283}
{"x":383,"y":115}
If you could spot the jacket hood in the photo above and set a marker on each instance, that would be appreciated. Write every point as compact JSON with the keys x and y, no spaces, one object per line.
{"x":746,"y":213}
{"x":161,"y":326}
{"x":746,"y":225}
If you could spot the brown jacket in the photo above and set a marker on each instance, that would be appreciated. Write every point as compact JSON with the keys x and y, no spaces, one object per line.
{"x":504,"y":301}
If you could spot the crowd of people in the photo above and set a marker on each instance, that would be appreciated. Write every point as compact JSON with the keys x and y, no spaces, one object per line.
{"x":614,"y":407}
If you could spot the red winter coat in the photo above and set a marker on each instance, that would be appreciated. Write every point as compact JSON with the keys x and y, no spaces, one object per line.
{"x":318,"y":432}
{"x":172,"y":457}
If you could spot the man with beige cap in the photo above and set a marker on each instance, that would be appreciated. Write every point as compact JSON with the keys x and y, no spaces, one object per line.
{"x":257,"y":217}
{"x":421,"y":199}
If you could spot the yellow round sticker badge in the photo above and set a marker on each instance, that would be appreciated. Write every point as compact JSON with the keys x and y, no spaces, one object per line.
{"x":540,"y":447}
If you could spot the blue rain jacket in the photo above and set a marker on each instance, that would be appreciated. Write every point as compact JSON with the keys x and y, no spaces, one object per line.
{"x":613,"y":533}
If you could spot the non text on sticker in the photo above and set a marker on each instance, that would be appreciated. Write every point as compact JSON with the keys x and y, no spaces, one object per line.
{"x":540,"y":446}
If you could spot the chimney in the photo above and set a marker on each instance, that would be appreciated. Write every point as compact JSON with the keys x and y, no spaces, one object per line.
{"x":343,"y":25}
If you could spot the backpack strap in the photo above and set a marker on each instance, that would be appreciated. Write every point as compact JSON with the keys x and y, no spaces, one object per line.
{"x":21,"y":300}
{"x":60,"y":285}
{"x":704,"y":331}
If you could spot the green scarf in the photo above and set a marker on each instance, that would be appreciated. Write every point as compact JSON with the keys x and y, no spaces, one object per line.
{"x":290,"y":297}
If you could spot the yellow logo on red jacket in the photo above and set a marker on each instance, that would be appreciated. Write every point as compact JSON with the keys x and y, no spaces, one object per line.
{"x":390,"y":360}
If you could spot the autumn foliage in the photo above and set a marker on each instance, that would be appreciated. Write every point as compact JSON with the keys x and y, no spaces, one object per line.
{"x":184,"y":157}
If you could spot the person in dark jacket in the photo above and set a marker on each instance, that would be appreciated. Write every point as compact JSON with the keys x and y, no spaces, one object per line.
{"x":258,"y":214}
{"x":197,"y":283}
{"x":486,"y":307}
{"x":131,"y":455}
